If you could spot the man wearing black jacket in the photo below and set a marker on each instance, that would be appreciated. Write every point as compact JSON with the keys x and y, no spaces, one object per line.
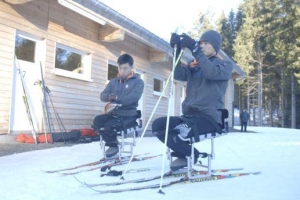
{"x":207,"y":79}
{"x":244,"y":117}
{"x":125,"y":91}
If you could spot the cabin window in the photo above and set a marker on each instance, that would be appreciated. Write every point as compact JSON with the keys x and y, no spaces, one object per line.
{"x":25,"y":49}
{"x":158,"y":86}
{"x":72,"y":63}
{"x":29,"y":49}
{"x":112,"y":71}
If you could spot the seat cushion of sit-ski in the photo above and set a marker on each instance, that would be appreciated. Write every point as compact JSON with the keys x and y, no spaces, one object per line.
{"x":210,"y":135}
{"x":132,"y":125}
{"x":203,"y":137}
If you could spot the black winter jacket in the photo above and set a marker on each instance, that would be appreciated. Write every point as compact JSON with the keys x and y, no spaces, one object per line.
{"x":129,"y":92}
{"x":206,"y":85}
{"x":244,"y":116}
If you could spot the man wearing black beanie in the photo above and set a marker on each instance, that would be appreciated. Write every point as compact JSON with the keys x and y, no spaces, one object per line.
{"x":213,"y":38}
{"x":207,"y":79}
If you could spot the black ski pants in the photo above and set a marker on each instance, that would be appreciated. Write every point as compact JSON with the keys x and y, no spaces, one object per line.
{"x":107,"y":121}
{"x":244,"y":126}
{"x":182,"y":148}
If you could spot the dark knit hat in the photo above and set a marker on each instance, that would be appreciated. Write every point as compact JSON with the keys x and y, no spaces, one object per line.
{"x":214,"y":38}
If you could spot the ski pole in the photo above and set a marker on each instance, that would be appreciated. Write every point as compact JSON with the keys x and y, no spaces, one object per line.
{"x":39,"y":82}
{"x":45,"y":102}
{"x":168,"y":117}
{"x":58,"y":119}
{"x":43,"y":121}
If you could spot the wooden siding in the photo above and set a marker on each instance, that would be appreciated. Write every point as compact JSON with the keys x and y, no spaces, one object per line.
{"x":6,"y":55}
{"x":76,"y":101}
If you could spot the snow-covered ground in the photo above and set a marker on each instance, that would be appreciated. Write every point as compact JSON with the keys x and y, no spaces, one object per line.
{"x":273,"y":151}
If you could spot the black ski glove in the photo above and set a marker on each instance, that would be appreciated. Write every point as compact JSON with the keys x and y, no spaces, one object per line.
{"x":187,"y":42}
{"x":175,"y":40}
{"x":112,"y":97}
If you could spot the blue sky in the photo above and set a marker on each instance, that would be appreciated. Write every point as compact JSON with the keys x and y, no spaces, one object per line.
{"x":162,"y":17}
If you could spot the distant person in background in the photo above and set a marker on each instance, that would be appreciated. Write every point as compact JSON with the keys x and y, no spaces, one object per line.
{"x":244,"y":117}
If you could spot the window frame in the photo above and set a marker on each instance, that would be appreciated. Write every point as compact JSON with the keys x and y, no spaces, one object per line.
{"x":40,"y":46}
{"x":113,"y":64}
{"x":158,"y":93}
{"x":86,"y":59}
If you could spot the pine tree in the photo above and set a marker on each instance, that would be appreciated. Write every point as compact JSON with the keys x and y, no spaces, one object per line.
{"x":203,"y":24}
{"x":267,"y":48}
{"x":227,"y":28}
{"x":285,"y":48}
{"x":249,"y":51}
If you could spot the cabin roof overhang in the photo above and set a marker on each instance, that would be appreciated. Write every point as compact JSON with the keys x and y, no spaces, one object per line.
{"x":17,"y":1}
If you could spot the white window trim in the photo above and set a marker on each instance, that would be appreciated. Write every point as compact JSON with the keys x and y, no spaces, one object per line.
{"x":109,"y":62}
{"x":156,"y":93}
{"x":87,"y":64}
{"x":40,"y":48}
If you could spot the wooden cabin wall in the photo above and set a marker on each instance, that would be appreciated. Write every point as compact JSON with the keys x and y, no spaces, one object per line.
{"x":76,"y":101}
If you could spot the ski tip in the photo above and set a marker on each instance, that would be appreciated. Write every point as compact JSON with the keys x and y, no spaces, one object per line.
{"x":160,"y":192}
{"x":49,"y":172}
{"x":255,"y":173}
